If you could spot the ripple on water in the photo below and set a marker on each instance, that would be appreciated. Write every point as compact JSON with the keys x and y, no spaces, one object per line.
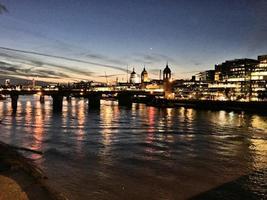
{"x":143,"y":152}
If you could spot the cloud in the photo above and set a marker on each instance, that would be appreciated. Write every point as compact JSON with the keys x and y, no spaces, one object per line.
{"x":3,"y":9}
{"x":104,"y":58}
{"x":154,"y":71}
{"x":27,"y":65}
{"x":152,"y":58}
{"x":65,"y":58}
{"x":16,"y":70}
{"x":111,"y":75}
{"x":197,"y":63}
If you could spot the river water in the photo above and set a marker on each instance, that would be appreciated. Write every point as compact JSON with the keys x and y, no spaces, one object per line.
{"x":141,"y":152}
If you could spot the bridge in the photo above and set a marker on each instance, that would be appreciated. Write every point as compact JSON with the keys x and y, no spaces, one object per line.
{"x":124,"y":97}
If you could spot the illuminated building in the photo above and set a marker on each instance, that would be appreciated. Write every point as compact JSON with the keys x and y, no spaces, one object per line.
{"x":144,"y":76}
{"x":207,"y":75}
{"x":237,"y":74}
{"x":236,"y":80}
{"x":258,"y":79}
{"x":235,"y":70}
{"x":144,"y":79}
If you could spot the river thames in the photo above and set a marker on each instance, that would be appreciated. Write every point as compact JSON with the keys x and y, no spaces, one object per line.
{"x":141,"y":152}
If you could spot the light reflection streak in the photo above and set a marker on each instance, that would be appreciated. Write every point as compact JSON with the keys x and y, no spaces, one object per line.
{"x":1,"y":110}
{"x":38,"y":130}
{"x":259,"y":147}
{"x":259,"y":122}
{"x":80,"y":133}
{"x":109,"y":118}
{"x":81,"y":113}
{"x":28,"y":116}
{"x":186,"y":118}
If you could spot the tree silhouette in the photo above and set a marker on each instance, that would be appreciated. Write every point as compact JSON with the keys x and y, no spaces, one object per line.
{"x":3,"y":9}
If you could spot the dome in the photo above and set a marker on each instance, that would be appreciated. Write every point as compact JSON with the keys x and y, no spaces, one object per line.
{"x":133,"y":77}
{"x":144,"y":71}
{"x":133,"y":72}
{"x":167,"y":70}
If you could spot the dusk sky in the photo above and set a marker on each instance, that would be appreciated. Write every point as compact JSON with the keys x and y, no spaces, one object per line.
{"x":104,"y":36}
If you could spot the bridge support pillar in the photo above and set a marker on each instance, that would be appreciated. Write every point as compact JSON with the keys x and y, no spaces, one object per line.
{"x":68,"y":98}
{"x":125,"y":99}
{"x":42,"y":99}
{"x":14,"y":101}
{"x":57,"y":102}
{"x":94,"y":100}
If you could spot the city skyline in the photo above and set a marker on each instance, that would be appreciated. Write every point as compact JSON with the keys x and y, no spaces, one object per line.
{"x":193,"y":36}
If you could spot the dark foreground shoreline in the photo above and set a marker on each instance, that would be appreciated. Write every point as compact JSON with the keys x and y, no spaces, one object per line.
{"x":21,"y":179}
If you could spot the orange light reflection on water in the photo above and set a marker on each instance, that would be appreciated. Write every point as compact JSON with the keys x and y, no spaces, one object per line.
{"x":109,"y":118}
{"x":80,"y":116}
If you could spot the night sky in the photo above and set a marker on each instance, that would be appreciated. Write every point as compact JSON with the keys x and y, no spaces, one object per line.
{"x":104,"y":36}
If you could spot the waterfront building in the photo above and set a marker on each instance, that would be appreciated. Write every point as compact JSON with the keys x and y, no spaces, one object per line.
{"x":237,"y":80}
{"x":235,"y":70}
{"x":154,"y":85}
{"x":207,"y":75}
{"x":237,"y":75}
{"x":83,"y":84}
{"x":190,"y":89}
{"x":258,"y":79}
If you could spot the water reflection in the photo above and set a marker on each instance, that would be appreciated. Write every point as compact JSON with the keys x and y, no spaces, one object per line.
{"x":109,"y":122}
{"x":38,"y":129}
{"x":152,"y":153}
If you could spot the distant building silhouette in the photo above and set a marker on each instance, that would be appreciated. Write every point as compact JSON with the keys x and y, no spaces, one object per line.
{"x":167,"y":73}
{"x":167,"y":85}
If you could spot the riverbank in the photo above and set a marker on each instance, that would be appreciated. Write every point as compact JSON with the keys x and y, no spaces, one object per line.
{"x":253,"y":106}
{"x":21,"y":179}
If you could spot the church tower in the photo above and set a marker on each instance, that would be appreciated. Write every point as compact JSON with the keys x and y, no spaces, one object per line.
{"x":167,"y":73}
{"x":144,"y":76}
{"x":144,"y":79}
{"x":167,"y":82}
